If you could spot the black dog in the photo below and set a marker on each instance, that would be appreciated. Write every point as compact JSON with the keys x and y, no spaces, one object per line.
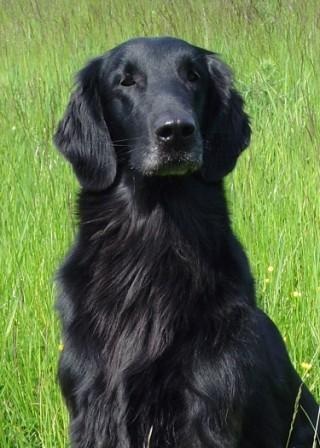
{"x":164,"y":344}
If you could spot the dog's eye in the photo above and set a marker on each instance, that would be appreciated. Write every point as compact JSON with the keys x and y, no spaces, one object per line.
{"x":128,"y":80}
{"x":192,"y":75}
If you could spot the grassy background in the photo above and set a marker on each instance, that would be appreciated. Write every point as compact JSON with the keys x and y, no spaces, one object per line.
{"x":274,"y":47}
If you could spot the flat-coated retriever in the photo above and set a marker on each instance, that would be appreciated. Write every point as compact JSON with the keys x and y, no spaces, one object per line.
{"x":164,"y":345}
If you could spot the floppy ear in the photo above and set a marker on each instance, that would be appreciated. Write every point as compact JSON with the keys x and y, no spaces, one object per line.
{"x":228,"y":128}
{"x":82,"y":135}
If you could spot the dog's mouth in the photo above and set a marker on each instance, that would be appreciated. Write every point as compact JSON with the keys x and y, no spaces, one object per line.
{"x":174,"y":164}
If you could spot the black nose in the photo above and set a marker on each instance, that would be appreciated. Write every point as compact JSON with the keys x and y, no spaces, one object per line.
{"x":173,"y":130}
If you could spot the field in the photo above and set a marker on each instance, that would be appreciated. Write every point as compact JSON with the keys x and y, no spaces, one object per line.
{"x":274,"y":48}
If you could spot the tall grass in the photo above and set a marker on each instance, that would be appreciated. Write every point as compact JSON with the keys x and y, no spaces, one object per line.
{"x":274,"y":192}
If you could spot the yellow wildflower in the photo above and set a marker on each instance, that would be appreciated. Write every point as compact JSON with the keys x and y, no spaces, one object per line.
{"x":306,"y":365}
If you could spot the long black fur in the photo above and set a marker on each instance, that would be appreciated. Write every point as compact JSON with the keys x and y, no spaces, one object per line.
{"x":163,"y":342}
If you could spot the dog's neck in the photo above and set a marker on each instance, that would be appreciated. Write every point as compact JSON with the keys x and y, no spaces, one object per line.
{"x":142,"y":231}
{"x":180,"y":213}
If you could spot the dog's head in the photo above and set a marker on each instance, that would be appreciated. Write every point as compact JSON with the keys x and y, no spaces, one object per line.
{"x":157,"y":107}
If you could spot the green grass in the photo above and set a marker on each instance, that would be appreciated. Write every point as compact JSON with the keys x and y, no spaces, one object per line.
{"x":274,"y":47}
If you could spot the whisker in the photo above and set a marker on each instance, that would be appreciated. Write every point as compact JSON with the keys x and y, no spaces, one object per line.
{"x":128,"y":139}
